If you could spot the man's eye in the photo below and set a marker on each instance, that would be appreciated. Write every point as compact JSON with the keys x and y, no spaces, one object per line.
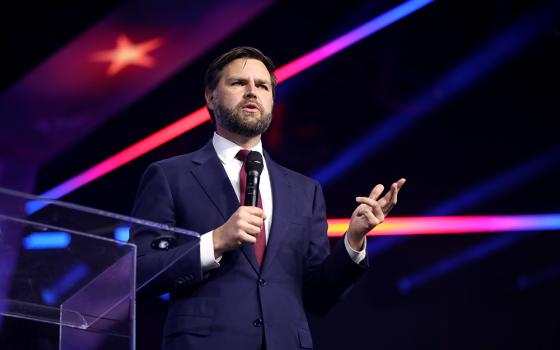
{"x":263,"y":86}
{"x":237,"y":83}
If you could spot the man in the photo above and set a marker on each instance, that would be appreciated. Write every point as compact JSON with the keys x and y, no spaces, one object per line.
{"x":256,"y":271}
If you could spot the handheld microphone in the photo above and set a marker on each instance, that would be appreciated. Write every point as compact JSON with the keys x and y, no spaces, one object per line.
{"x":253,"y":168}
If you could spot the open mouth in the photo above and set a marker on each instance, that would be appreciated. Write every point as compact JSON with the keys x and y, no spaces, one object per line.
{"x":252,"y":107}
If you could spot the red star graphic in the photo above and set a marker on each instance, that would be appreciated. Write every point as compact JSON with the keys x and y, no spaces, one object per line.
{"x":126,"y":54}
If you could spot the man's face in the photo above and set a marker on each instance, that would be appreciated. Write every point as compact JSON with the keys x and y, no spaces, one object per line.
{"x":242,"y":100}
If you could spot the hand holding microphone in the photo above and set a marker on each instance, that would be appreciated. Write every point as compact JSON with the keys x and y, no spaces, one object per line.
{"x":245,"y":224}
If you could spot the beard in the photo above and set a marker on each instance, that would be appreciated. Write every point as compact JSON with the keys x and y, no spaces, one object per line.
{"x":241,"y":122}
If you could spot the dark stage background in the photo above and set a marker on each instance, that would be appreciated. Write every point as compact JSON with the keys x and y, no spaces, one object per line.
{"x":468,"y":92}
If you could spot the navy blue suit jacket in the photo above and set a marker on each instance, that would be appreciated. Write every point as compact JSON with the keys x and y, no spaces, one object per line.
{"x":238,"y":305}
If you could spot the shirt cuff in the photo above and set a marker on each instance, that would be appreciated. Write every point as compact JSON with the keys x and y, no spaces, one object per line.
{"x":356,"y":256}
{"x":207,"y":260}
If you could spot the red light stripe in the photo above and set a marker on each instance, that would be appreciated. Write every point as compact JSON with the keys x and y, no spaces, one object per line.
{"x":132,"y":152}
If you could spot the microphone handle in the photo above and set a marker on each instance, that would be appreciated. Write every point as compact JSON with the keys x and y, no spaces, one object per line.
{"x":252,"y":189}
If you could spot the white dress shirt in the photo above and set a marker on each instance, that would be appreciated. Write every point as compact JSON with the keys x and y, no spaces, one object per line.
{"x":227,"y":151}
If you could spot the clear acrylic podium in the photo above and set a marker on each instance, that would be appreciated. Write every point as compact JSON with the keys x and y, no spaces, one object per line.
{"x":71,"y":266}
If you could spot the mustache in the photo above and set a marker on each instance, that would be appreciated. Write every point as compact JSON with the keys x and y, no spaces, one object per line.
{"x":256,"y":103}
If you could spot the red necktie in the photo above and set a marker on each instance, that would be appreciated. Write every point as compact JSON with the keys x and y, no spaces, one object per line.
{"x":260,"y":245}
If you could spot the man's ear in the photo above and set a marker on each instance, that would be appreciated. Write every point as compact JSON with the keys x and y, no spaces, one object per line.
{"x":209,"y":96}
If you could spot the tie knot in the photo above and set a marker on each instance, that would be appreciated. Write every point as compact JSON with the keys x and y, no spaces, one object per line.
{"x":242,"y":154}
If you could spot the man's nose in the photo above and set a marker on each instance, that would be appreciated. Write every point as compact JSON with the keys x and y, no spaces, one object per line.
{"x":250,"y":90}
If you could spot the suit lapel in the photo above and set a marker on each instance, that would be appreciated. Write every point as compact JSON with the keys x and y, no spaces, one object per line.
{"x":212,"y":177}
{"x":281,"y":194}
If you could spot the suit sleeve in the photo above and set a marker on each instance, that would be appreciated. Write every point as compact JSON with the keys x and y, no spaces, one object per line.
{"x":327,"y":276}
{"x":167,"y":269}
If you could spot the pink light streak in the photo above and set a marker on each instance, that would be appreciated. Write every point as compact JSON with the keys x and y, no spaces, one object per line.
{"x":454,"y":225}
{"x":130,"y":153}
{"x":201,"y":116}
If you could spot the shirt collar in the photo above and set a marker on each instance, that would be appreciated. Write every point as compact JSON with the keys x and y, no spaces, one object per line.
{"x":227,"y":150}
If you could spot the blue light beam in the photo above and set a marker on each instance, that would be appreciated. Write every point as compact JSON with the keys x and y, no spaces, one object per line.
{"x":47,"y":240}
{"x":52,"y":295}
{"x":491,"y":55}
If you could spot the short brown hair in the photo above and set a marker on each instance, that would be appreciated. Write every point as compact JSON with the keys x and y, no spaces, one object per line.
{"x":214,"y":71}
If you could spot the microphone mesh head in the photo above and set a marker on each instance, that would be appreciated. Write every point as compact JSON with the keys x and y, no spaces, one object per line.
{"x":254,"y":162}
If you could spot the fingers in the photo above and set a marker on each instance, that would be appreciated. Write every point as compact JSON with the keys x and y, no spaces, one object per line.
{"x":376,"y":191}
{"x":246,"y":238}
{"x":252,"y":229}
{"x":363,"y":220}
{"x":243,"y":226}
{"x":392,"y":196}
{"x":373,"y":219}
{"x":387,"y":202}
{"x":243,"y":233}
{"x":368,"y":205}
{"x":253,"y":211}
{"x":390,"y":199}
{"x":249,"y":219}
{"x":378,"y":212}
{"x":367,"y":201}
{"x":374,"y":206}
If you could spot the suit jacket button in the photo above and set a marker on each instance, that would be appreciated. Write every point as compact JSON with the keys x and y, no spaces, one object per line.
{"x":262,"y":282}
{"x":258,"y":322}
{"x":179,"y":282}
